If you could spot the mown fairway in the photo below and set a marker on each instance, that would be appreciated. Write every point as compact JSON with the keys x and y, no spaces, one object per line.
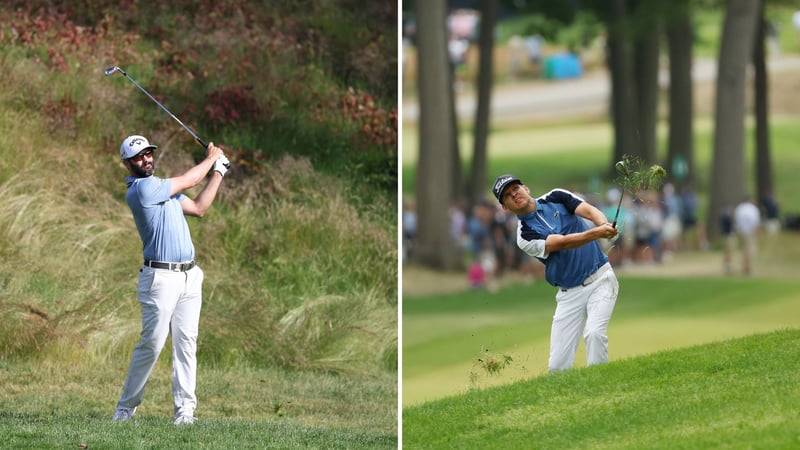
{"x":444,"y":336}
{"x":48,"y":406}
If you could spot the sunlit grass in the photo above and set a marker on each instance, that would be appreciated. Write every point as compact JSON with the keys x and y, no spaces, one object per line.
{"x":732,"y":394}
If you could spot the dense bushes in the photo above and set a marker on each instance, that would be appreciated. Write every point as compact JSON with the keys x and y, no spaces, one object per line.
{"x":277,"y":80}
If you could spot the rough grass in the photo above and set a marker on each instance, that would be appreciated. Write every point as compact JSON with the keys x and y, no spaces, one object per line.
{"x":444,"y":335}
{"x":732,"y":394}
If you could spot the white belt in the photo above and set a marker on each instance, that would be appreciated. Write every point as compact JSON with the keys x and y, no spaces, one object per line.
{"x":593,"y":277}
{"x":597,"y":273}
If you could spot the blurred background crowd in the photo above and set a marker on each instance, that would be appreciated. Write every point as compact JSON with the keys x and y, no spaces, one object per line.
{"x":654,"y":226}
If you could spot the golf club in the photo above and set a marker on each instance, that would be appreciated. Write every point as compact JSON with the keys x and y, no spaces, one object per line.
{"x":111,"y":70}
{"x":623,"y":171}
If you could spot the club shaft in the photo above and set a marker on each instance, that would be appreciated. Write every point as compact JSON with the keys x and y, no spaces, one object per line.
{"x":195,"y":136}
{"x":619,"y":205}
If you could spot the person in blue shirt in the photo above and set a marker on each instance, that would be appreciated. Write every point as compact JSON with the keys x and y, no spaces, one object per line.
{"x":561,"y":230}
{"x":170,"y":282}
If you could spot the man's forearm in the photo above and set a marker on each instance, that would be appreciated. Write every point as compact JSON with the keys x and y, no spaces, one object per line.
{"x":590,"y":212}
{"x":207,"y":195}
{"x":556,"y":242}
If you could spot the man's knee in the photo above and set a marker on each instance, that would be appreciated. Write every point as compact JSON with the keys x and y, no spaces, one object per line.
{"x":595,"y":336}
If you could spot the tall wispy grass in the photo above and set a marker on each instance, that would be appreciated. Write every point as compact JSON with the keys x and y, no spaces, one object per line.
{"x":298,"y":274}
{"x":322,"y":275}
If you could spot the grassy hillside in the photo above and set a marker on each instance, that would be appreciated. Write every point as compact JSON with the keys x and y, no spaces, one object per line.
{"x":734,"y":394}
{"x":299,"y":249}
{"x":446,"y":336}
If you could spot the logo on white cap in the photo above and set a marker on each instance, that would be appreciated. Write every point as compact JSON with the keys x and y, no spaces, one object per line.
{"x":133,"y":145}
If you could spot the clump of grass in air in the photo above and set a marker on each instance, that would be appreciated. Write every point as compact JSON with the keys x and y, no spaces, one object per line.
{"x":634,"y":176}
{"x":492,"y":363}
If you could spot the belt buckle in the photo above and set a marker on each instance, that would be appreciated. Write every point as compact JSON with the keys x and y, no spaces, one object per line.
{"x":177,"y":267}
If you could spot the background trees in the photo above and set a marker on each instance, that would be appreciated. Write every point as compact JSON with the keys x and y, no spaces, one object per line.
{"x":644,"y":37}
{"x":727,"y":174}
{"x":434,"y":247}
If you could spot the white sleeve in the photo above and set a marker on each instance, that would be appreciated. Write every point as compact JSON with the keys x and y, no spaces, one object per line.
{"x":533,"y":247}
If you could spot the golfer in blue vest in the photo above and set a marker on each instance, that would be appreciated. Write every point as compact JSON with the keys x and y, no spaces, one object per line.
{"x":561,"y":230}
{"x":170,"y":282}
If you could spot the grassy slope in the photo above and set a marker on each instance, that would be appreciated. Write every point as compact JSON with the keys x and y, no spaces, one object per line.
{"x":444,"y":336}
{"x":734,"y":394}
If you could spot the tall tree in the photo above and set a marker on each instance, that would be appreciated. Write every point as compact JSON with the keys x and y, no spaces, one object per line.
{"x":727,"y":170}
{"x":763,"y":170}
{"x":647,"y":34}
{"x":454,"y":151}
{"x":680,"y":150}
{"x":623,"y":95}
{"x":434,"y":248}
{"x":477,"y":184}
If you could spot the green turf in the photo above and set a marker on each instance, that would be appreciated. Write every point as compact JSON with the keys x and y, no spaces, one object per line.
{"x":49,"y":406}
{"x":444,"y":336}
{"x":53,"y":430}
{"x":734,"y":394}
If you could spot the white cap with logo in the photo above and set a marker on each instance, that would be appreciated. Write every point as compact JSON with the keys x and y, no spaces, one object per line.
{"x":133,"y":145}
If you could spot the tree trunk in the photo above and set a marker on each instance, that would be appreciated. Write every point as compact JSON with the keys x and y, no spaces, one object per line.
{"x":763,"y":170}
{"x":623,"y":101}
{"x":680,"y":152}
{"x":434,"y":247}
{"x":728,"y":175}
{"x":456,"y":183}
{"x":478,"y":183}
{"x":647,"y":90}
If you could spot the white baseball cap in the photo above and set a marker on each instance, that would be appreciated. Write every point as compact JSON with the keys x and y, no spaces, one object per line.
{"x":133,"y":145}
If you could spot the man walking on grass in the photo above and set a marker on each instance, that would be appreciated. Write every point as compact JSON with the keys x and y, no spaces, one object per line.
{"x":170,"y":282}
{"x":554,"y":229}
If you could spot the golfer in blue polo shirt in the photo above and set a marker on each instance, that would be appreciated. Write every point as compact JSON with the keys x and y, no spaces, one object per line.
{"x":561,"y":230}
{"x":170,"y":282}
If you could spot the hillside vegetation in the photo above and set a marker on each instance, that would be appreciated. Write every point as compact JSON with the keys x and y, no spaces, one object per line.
{"x":299,"y":250}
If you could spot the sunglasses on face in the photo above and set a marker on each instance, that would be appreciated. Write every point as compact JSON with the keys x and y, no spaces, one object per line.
{"x":140,"y":157}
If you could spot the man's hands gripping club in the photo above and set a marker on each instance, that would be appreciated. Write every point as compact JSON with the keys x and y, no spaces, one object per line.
{"x":222,"y":165}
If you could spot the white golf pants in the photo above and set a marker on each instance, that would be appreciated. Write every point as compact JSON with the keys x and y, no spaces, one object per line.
{"x":584,"y":309}
{"x":170,"y":301}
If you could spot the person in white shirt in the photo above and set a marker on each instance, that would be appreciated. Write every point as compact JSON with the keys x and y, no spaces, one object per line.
{"x":746,"y":222}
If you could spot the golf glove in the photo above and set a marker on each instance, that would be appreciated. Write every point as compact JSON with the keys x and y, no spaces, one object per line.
{"x":222,"y":165}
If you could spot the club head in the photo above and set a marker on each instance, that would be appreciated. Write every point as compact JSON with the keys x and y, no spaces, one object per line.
{"x":621,"y":168}
{"x":111,"y":70}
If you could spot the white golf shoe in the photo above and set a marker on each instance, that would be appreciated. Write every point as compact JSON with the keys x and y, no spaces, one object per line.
{"x":184,"y":420}
{"x":124,"y":414}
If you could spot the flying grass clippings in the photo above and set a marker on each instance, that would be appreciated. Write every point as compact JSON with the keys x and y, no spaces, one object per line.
{"x":634,"y":176}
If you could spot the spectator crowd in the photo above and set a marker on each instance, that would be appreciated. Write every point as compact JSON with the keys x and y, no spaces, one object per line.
{"x":653,"y":226}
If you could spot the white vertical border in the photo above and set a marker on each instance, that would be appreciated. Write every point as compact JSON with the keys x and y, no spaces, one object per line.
{"x":399,"y":224}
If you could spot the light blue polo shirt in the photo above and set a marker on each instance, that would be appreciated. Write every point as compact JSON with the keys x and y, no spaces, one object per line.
{"x":555,"y":214}
{"x":160,"y":220}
